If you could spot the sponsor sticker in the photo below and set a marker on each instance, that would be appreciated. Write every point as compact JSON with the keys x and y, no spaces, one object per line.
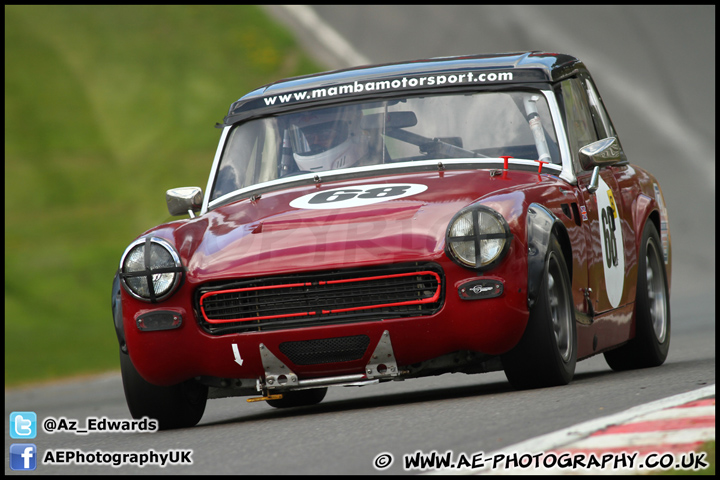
{"x":583,"y":212}
{"x":390,"y":84}
{"x":357,"y":196}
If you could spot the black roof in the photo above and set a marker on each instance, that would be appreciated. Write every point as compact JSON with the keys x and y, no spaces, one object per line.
{"x":469,"y":71}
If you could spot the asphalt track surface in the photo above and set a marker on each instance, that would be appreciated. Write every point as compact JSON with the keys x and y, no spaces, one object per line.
{"x":655,"y":68}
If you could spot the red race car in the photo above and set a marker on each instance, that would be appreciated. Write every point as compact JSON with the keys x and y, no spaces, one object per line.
{"x":462,"y":214}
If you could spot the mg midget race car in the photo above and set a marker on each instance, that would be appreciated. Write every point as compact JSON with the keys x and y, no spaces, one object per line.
{"x":462,"y":214}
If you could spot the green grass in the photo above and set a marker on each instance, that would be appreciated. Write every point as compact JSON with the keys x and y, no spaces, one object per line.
{"x":709,"y":449}
{"x":106,"y":107}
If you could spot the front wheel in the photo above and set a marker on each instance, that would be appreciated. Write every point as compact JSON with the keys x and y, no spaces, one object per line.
{"x":177,"y":406}
{"x":547,"y":352}
{"x":650,"y":346}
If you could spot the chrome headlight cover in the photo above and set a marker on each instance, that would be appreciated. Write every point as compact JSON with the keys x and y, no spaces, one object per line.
{"x":151,"y":260}
{"x":477,"y":229}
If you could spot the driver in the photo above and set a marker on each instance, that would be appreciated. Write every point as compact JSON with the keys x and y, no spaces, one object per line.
{"x":328,"y":139}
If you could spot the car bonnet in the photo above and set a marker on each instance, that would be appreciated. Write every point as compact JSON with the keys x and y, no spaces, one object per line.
{"x":350,"y":223}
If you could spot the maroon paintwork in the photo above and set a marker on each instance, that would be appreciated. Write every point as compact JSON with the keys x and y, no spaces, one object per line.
{"x":266,"y":236}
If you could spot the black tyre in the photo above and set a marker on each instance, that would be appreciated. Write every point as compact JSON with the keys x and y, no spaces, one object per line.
{"x":650,"y":346}
{"x":299,"y":398}
{"x":547,"y":352}
{"x":177,"y":406}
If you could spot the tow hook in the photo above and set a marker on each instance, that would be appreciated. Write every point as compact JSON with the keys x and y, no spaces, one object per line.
{"x":382,"y":362}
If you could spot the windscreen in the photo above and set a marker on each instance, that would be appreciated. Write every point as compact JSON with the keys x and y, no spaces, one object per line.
{"x":474,"y":125}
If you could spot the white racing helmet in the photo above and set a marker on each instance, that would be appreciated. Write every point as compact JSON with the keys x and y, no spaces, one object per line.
{"x":328,"y":139}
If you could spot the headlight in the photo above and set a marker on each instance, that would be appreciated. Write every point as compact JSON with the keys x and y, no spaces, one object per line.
{"x":478,"y":237}
{"x":150,"y":269}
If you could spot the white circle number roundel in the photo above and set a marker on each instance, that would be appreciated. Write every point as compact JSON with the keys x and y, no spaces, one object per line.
{"x":356,"y":196}
{"x":611,"y":240}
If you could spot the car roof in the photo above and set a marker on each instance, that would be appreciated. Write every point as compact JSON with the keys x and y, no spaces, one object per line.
{"x":351,"y":83}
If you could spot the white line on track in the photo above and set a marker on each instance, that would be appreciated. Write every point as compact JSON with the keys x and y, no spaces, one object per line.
{"x":637,"y":439}
{"x":678,"y":413}
{"x":326,"y":35}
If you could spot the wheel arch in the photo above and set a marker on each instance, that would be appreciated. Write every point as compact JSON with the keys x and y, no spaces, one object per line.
{"x":117,"y":313}
{"x":542,"y":225}
{"x":654,"y":217}
{"x":651,"y":209}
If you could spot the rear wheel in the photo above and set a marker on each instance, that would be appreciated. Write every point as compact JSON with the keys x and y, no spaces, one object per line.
{"x":650,"y":346}
{"x":177,"y":406}
{"x":299,"y":398}
{"x":547,"y":352}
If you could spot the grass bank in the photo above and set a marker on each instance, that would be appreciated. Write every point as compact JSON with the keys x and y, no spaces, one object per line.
{"x":106,"y":107}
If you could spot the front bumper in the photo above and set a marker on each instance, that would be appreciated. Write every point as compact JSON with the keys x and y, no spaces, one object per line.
{"x":318,"y":353}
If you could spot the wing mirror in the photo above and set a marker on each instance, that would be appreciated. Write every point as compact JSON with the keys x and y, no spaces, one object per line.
{"x":184,"y":200}
{"x":602,"y":153}
{"x":596,"y":155}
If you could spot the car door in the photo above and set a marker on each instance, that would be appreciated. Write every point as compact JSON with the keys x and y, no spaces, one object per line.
{"x":625,"y":193}
{"x":601,"y":211}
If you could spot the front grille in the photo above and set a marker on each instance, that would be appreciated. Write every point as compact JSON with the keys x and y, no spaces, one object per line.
{"x":326,"y":350}
{"x":320,"y":298}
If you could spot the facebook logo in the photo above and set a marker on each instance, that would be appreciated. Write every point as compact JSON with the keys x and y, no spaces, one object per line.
{"x":23,"y":456}
{"x":23,"y":425}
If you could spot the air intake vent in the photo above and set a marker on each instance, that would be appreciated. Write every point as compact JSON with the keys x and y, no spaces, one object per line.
{"x":326,"y":350}
{"x":321,"y":298}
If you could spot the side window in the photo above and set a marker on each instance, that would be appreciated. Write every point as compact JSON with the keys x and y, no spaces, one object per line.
{"x":580,"y":126}
{"x":602,"y":121}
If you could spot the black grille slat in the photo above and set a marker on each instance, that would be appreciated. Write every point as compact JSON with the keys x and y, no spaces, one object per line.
{"x":321,"y":297}
{"x":312,"y":299}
